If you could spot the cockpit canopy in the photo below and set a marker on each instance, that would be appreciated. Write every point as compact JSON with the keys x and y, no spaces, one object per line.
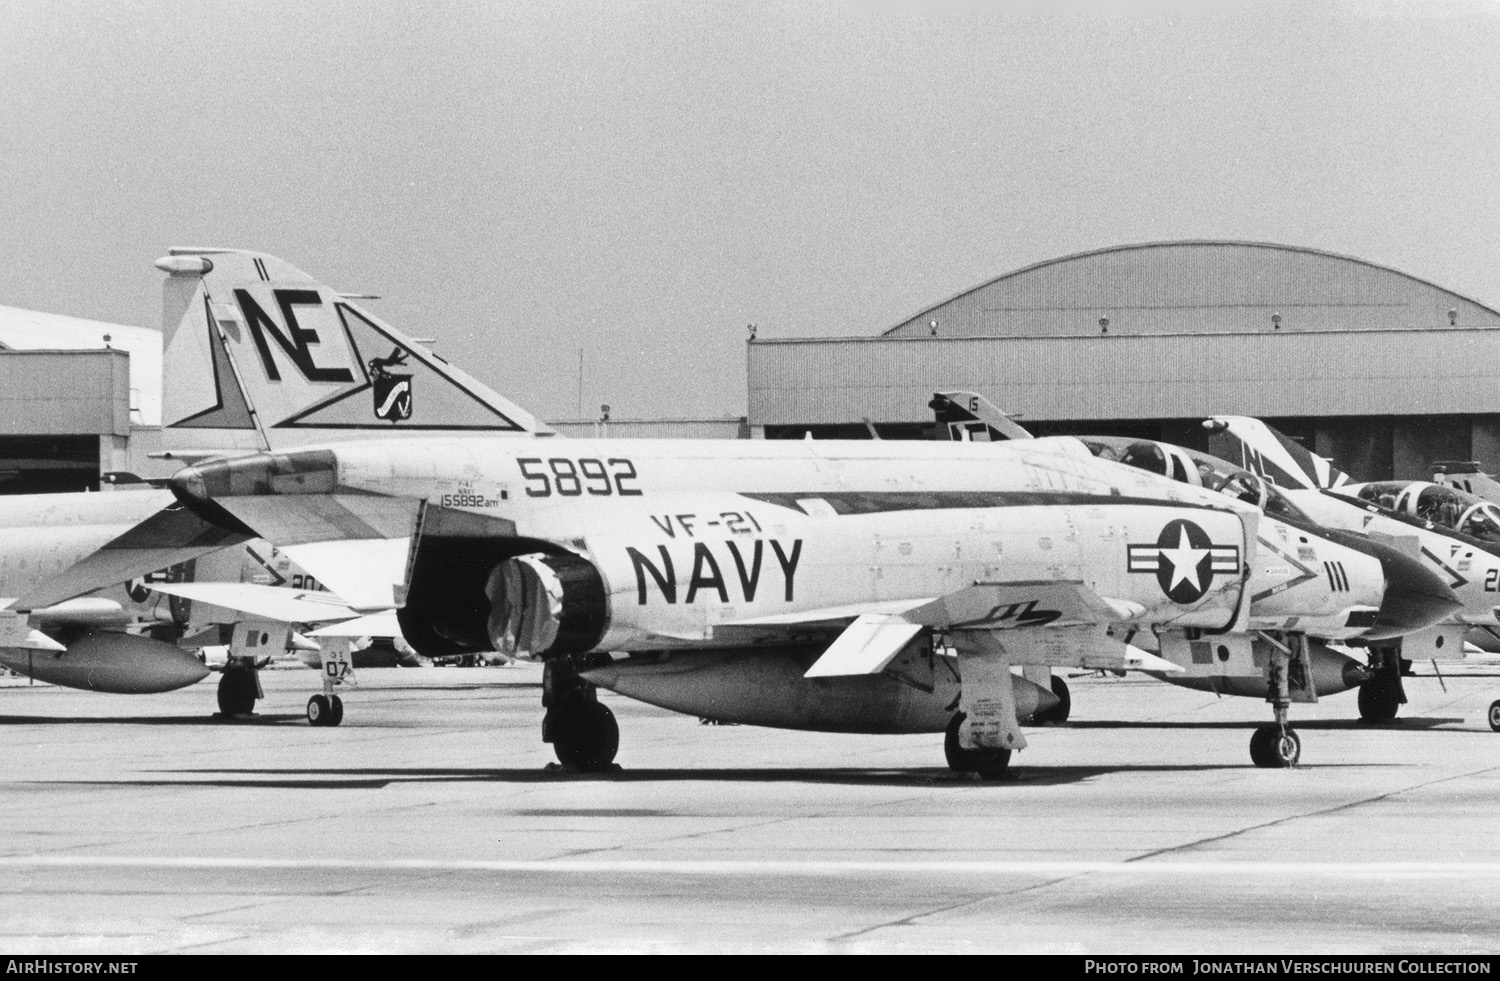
{"x":1199,"y":469}
{"x":1443,"y":506}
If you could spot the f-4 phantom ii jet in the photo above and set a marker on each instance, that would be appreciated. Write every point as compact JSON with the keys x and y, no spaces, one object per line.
{"x":813,"y":585}
{"x":1455,"y":533}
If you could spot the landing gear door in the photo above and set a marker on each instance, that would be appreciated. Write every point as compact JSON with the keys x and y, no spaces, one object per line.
{"x":337,"y":657}
{"x":1250,"y":522}
{"x":1211,"y":655}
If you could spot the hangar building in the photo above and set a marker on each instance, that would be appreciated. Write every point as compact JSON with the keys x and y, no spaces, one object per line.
{"x":1380,"y":370}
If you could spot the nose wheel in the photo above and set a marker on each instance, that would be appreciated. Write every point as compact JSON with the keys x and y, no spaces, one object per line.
{"x":1494,"y":716}
{"x":1275,"y":747}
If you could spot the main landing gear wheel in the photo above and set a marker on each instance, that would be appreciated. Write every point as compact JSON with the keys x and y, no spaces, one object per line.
{"x":237,"y":690}
{"x":1495,"y":716}
{"x":585,"y":735}
{"x":989,"y":764}
{"x":1059,"y":712}
{"x":325,"y":710}
{"x":1275,"y":747}
{"x":1379,"y":698}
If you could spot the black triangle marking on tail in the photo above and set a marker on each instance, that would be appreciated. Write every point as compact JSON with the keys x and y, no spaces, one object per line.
{"x":448,"y":413}
{"x":233,"y":412}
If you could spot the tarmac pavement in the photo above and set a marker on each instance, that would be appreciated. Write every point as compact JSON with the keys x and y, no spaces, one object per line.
{"x":429,"y":822}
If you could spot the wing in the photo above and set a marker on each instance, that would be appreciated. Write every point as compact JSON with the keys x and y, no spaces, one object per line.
{"x":1063,"y":624}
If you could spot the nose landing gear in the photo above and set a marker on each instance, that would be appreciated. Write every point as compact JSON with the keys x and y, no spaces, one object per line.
{"x":1276,"y":745}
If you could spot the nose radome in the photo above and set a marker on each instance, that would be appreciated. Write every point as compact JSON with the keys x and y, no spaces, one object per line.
{"x":1416,"y":597}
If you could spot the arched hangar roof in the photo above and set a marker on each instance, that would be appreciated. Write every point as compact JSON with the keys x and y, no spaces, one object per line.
{"x":1197,"y":287}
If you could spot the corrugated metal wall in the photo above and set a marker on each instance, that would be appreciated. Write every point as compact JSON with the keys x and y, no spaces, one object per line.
{"x":1384,"y":373}
{"x":46,"y":393}
{"x":1179,"y":287}
{"x":655,"y":429}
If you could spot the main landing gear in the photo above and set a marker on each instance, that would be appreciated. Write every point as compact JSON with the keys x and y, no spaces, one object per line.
{"x":1383,"y":695}
{"x":581,"y":729}
{"x":988,"y":764}
{"x":325,"y":710}
{"x":239,"y":687}
{"x":1494,"y":716}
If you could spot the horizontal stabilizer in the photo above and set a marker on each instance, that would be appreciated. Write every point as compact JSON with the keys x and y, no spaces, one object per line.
{"x":296,"y":519}
{"x":262,"y":602}
{"x":865,"y":647}
{"x":172,"y":535}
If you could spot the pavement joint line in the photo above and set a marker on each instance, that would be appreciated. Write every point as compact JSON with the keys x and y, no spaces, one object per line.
{"x":605,"y":849}
{"x":911,"y":919}
{"x":1324,"y":812}
{"x":1129,"y":867}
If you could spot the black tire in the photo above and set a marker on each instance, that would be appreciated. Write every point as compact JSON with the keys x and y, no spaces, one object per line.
{"x":335,"y":710}
{"x":585,"y":735}
{"x":319,"y":711}
{"x":1274,"y":747}
{"x":989,"y":764}
{"x":1059,"y":712}
{"x":236,"y":691}
{"x":1379,"y":699}
{"x":1494,"y":716}
{"x":1259,"y":740}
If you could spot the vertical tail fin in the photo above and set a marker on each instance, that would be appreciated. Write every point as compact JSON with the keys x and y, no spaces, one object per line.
{"x":259,"y":356}
{"x":1283,"y":462}
{"x":969,"y":416}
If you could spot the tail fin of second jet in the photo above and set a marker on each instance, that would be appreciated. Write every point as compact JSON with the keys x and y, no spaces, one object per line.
{"x":259,"y":355}
{"x":972,"y":417}
{"x":1275,"y":456}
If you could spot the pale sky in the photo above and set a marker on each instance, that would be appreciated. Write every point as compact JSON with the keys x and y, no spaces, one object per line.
{"x":643,"y":179}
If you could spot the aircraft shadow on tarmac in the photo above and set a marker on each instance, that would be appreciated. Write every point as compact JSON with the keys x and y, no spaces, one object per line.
{"x":378,"y":778}
{"x":1404,"y":723}
{"x":150,"y":720}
